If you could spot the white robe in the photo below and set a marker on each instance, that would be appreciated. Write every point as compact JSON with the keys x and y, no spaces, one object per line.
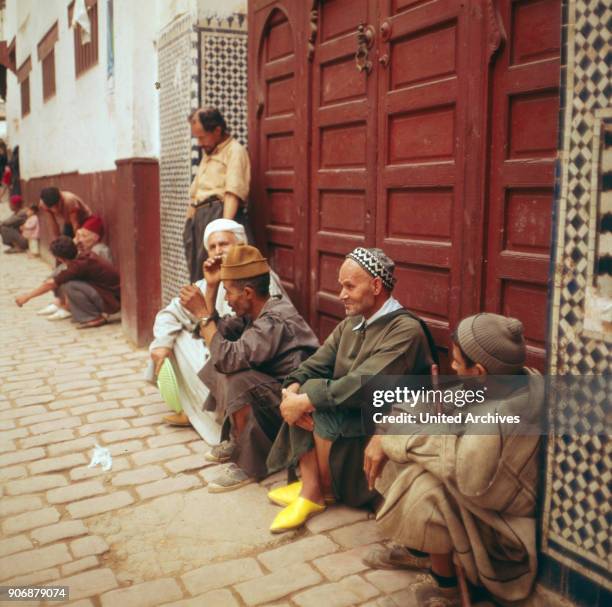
{"x":173,"y":328}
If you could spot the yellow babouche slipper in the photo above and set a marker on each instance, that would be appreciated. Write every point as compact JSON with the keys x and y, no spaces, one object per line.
{"x":295,"y":515}
{"x":283,"y":496}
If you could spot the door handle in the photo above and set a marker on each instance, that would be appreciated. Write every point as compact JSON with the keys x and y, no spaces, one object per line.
{"x":365,"y":40}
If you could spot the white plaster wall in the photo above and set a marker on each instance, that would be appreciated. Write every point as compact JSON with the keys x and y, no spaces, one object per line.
{"x":91,"y":121}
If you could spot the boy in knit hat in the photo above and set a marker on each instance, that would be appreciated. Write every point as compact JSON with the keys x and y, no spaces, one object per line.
{"x":472,"y":495}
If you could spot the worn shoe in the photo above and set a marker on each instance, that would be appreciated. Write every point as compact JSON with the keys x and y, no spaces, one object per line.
{"x":91,"y":324}
{"x":47,"y":310}
{"x":177,"y":419}
{"x":61,"y":314}
{"x":221,"y":453}
{"x":427,"y":593}
{"x":295,"y":515}
{"x":231,"y":478}
{"x":283,"y":496}
{"x":395,"y":557}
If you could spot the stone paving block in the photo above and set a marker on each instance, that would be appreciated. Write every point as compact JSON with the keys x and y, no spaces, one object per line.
{"x":336,"y":566}
{"x":38,"y":577}
{"x":335,"y":516}
{"x":211,"y":471}
{"x":347,"y":592}
{"x":59,"y":531}
{"x":113,"y":424}
{"x":139,"y":401}
{"x":33,"y":560}
{"x":85,"y":472}
{"x":114,"y":373}
{"x":199,"y":446}
{"x":389,"y":581}
{"x":88,"y":546}
{"x":191,"y":462}
{"x":16,"y":413}
{"x":97,"y":505}
{"x":77,"y":385}
{"x":357,"y":534}
{"x":277,"y":585}
{"x":218,"y":575}
{"x":89,"y":562}
{"x":58,"y":424}
{"x":181,"y":436}
{"x":11,"y":472}
{"x":215,"y":598}
{"x":7,"y":446}
{"x":89,"y":583}
{"x":30,"y":520}
{"x":121,"y":435}
{"x":13,"y":434}
{"x":147,"y":594}
{"x":123,"y":448}
{"x":102,"y":416}
{"x":149,"y":420}
{"x":34,"y":400}
{"x":55,"y":464}
{"x":119,"y":394}
{"x":72,"y":446}
{"x":64,"y":403}
{"x":168,"y":485}
{"x":48,"y":416}
{"x":93,"y":407}
{"x":297,"y":552}
{"x":82,"y":603}
{"x":13,"y":505}
{"x":75,"y":492}
{"x":139,"y":476}
{"x":47,"y":439}
{"x":23,"y":455}
{"x":7,"y":424}
{"x":158,"y":455}
{"x":19,"y":543}
{"x":154,"y":408}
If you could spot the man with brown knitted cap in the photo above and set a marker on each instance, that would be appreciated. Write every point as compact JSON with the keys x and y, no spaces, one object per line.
{"x":250,"y":356}
{"x":471,"y":495}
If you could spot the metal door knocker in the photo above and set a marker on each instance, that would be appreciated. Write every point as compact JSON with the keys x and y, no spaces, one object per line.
{"x":365,"y":39}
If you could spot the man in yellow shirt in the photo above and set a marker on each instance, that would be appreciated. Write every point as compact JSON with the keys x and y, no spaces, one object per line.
{"x":220,"y":187}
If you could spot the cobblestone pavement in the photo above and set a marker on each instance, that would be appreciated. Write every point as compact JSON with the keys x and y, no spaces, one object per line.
{"x":147,"y":532}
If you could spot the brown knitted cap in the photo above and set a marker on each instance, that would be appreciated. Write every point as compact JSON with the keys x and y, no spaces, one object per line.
{"x":243,"y":261}
{"x":494,"y":341}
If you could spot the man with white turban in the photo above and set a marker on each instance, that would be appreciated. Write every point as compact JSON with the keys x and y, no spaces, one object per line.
{"x":173,"y":338}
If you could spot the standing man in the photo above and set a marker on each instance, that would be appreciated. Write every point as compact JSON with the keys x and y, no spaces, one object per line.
{"x":323,"y":398}
{"x":220,"y":187}
{"x":66,"y":208}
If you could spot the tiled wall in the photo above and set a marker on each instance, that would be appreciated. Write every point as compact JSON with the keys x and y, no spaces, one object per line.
{"x":577,"y":516}
{"x":199,"y":65}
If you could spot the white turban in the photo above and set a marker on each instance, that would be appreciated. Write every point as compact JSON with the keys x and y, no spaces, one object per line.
{"x":225,"y":225}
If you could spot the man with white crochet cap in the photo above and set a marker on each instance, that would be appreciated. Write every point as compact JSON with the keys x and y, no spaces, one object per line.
{"x":173,"y":338}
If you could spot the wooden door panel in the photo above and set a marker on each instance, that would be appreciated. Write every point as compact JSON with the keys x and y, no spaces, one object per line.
{"x":525,"y":103}
{"x":343,"y":153}
{"x":420,"y":165}
{"x":276,"y":166}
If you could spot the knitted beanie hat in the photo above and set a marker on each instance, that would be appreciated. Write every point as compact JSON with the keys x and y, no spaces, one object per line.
{"x":494,"y":341}
{"x":243,"y":261}
{"x":94,"y":224}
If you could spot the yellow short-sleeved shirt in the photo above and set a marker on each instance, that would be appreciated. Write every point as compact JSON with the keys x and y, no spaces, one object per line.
{"x":227,"y":169}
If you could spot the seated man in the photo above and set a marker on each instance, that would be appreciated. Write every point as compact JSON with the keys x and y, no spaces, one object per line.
{"x":472,"y":494}
{"x":10,"y":227}
{"x":250,"y":356}
{"x":323,"y":398}
{"x":88,"y":286}
{"x":64,"y":208}
{"x":88,"y":238}
{"x":173,"y":337}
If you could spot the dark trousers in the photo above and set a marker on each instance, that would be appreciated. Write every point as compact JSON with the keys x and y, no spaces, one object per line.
{"x":13,"y":238}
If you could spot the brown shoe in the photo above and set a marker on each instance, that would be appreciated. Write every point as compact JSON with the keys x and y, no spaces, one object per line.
{"x":177,"y":419}
{"x":395,"y":557}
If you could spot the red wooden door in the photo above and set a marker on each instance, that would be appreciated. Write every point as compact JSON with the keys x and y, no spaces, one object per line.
{"x":278,"y":131}
{"x":424,"y":69}
{"x":343,"y":153}
{"x":525,"y":104}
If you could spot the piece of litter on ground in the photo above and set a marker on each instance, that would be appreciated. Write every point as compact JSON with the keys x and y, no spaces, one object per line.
{"x":101,"y":456}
